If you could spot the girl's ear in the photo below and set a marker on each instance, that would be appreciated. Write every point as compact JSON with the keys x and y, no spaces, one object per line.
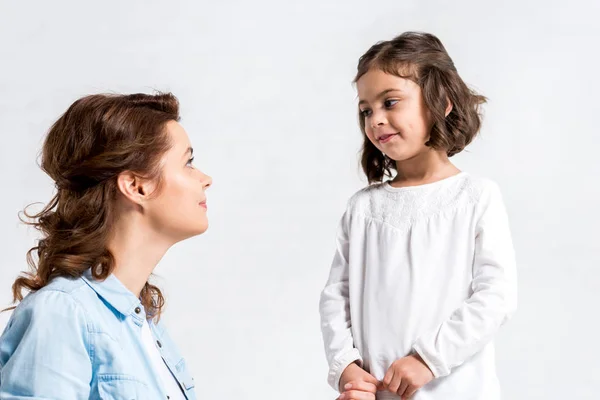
{"x":448,"y":108}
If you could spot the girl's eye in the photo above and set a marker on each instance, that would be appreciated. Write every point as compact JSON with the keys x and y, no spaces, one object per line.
{"x":365,"y":113}
{"x":390,"y":103}
{"x":190,"y":161}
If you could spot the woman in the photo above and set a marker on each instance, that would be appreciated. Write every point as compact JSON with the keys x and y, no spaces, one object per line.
{"x":126,"y":192}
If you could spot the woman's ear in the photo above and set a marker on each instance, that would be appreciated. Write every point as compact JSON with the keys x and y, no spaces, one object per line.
{"x":133,"y":187}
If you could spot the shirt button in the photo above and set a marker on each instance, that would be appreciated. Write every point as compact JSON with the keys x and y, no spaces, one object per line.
{"x":138,"y":310}
{"x":159,"y":343}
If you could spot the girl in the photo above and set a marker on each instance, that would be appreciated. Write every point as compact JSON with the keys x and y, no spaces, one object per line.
{"x":424,"y":272}
{"x":126,"y":192}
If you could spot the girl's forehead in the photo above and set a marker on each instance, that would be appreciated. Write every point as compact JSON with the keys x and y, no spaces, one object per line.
{"x":374,"y":82}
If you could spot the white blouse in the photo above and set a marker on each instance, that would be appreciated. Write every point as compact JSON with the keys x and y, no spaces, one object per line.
{"x":161,"y":370}
{"x":427,"y":269}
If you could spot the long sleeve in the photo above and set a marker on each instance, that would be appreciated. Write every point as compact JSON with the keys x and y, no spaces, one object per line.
{"x":494,"y":293}
{"x":335,"y":311}
{"x":44,"y":351}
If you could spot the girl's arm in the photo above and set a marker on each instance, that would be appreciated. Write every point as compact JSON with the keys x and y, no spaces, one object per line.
{"x":494,"y":293}
{"x":335,"y":312}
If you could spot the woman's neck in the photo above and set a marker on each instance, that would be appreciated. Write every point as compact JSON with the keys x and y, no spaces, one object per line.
{"x":137,"y":250}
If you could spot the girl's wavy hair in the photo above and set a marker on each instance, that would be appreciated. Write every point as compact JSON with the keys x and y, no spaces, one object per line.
{"x":96,"y":139}
{"x":422,"y":58}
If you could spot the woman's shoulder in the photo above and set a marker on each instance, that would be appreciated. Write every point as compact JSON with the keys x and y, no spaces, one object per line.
{"x":56,"y":308}
{"x":60,"y":295}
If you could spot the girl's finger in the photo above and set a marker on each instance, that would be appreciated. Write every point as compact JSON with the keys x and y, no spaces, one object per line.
{"x":361,"y":386}
{"x":410,"y":392}
{"x":357,"y":395}
{"x":403,"y":386}
{"x":387,"y":379}
{"x":395,"y":384}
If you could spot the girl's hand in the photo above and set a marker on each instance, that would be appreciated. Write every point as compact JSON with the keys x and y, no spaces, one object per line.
{"x":407,"y":375}
{"x":358,"y":384}
{"x":359,"y":390}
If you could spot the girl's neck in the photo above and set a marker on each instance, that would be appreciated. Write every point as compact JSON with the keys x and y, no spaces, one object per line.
{"x":427,"y":167}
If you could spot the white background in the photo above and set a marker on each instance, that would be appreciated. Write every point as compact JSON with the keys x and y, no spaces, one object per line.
{"x":267,"y":99}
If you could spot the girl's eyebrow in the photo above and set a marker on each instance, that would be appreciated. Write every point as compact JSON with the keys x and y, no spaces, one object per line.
{"x":380,"y":95}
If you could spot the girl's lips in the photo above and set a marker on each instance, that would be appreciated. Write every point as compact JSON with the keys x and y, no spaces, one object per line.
{"x":386,"y":138}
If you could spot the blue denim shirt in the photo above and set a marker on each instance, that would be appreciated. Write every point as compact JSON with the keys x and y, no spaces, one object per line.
{"x":79,"y":339}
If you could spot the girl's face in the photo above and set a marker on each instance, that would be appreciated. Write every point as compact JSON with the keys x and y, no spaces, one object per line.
{"x":178,"y":211}
{"x":397,"y":121}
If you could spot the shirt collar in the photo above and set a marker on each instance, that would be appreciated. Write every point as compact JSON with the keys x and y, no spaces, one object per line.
{"x":114,"y":293}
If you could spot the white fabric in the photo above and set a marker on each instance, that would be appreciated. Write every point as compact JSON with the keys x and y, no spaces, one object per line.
{"x":167,"y":379}
{"x":429,"y":269}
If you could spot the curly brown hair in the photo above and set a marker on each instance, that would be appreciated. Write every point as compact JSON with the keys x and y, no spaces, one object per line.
{"x":422,"y":58}
{"x":97,"y":138}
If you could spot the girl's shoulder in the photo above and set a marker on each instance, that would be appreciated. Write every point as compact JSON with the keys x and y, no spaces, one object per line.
{"x":461,"y":189}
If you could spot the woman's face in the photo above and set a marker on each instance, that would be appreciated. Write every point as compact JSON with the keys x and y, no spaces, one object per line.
{"x":179,"y":209}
